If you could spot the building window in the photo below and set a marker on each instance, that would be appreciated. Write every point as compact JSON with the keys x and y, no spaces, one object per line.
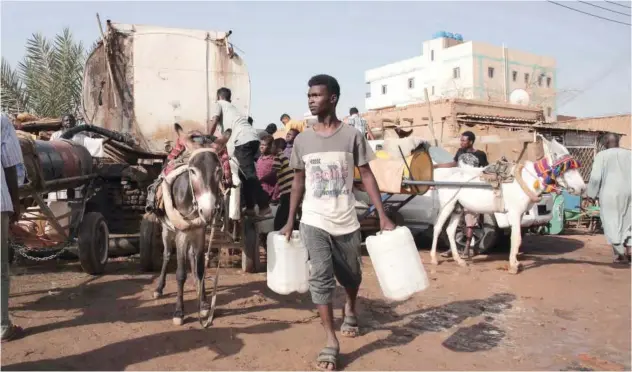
{"x":548,"y":82}
{"x":384,"y":89}
{"x":368,"y":94}
{"x":411,"y":83}
{"x":514,"y":75}
{"x":432,"y":90}
{"x":540,"y":78}
{"x":490,"y":72}
{"x":526,"y":78}
{"x":456,"y":72}
{"x":432,"y":55}
{"x":548,"y":111}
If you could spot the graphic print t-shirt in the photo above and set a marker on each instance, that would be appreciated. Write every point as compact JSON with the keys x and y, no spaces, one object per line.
{"x":329,"y":162}
{"x":475,"y":159}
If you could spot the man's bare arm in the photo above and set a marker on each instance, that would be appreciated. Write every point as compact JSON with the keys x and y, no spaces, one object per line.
{"x":298,"y":189}
{"x":211,"y":126}
{"x":451,"y":164}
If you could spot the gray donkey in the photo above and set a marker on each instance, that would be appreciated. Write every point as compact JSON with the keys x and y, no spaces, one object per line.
{"x":190,"y":193}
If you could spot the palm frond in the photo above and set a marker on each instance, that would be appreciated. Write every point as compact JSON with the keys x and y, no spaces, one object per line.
{"x":13,"y":97}
{"x":52,"y":74}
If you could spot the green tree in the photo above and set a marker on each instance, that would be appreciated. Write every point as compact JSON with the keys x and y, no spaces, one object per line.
{"x":48,"y":81}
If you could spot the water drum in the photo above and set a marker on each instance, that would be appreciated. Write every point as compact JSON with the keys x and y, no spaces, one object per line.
{"x":421,"y":167}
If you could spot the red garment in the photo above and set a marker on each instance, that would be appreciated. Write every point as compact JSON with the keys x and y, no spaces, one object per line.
{"x":267,"y":174}
{"x":223,"y":156}
{"x":177,"y":150}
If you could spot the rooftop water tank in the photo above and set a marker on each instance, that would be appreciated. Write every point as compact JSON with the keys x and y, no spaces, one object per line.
{"x":449,"y":35}
{"x":458,"y":37}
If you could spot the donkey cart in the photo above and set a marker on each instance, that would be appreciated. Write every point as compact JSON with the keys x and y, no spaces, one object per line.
{"x":229,"y":231}
{"x":63,"y":170}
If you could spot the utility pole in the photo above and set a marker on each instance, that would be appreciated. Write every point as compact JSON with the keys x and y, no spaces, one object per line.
{"x":430,"y":122}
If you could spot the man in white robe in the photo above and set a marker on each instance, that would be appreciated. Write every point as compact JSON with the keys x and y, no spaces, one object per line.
{"x":610,"y":182}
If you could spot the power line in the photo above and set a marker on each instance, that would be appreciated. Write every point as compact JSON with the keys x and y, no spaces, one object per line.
{"x":599,"y":78}
{"x":612,"y":2}
{"x":604,"y":8}
{"x":590,"y":14}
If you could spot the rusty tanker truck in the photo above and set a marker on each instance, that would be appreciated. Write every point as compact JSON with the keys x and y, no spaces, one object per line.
{"x":138,"y":82}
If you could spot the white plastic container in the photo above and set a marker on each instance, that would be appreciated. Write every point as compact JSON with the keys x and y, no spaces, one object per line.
{"x":397,"y":263}
{"x":288,"y":269}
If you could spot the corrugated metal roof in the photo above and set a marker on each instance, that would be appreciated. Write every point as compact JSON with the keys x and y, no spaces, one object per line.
{"x":619,"y":124}
{"x":507,"y":119}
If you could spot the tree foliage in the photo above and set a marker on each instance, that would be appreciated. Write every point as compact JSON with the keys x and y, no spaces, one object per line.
{"x":48,"y":81}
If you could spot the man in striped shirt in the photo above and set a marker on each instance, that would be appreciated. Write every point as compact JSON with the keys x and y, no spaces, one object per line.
{"x":11,"y":158}
{"x":358,"y":122}
{"x":285,"y":176}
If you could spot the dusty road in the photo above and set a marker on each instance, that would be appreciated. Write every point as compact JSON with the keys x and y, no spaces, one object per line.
{"x":568,"y":309}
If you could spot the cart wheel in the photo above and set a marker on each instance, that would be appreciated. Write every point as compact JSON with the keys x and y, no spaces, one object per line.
{"x":397,"y":218}
{"x":151,"y":247}
{"x":250,"y":246}
{"x":93,"y":243}
{"x":11,"y":254}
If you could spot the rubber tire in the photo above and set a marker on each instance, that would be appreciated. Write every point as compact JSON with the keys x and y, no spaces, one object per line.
{"x":150,"y":243}
{"x":397,"y":218}
{"x":503,"y":242}
{"x":250,"y":246}
{"x":93,"y":231}
{"x":11,"y":255}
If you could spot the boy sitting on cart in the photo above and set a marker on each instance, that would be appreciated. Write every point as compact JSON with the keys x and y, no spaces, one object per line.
{"x":175,"y":159}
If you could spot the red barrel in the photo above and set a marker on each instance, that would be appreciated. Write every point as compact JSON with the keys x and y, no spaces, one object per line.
{"x":63,"y":159}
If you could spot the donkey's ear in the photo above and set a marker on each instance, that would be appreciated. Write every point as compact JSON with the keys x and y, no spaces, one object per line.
{"x":178,"y":129}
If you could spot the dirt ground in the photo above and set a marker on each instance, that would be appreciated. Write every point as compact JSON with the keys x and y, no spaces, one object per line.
{"x":568,"y":310}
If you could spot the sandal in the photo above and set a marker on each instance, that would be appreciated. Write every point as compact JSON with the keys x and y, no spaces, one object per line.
{"x":327,"y":355}
{"x":12,"y":333}
{"x":349,"y":327}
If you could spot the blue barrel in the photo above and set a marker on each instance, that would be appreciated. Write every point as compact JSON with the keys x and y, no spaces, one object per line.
{"x":458,"y":37}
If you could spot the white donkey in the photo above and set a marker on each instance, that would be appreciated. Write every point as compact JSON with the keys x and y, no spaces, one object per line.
{"x":556,"y":168}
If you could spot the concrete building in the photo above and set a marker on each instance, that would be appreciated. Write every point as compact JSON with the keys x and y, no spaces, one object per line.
{"x":452,"y":68}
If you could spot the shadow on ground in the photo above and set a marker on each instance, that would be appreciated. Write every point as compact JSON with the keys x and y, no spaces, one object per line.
{"x":403,"y":329}
{"x":118,"y":356}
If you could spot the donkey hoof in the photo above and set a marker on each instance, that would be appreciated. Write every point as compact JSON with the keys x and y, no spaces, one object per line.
{"x":514,"y":269}
{"x":156,"y":295}
{"x":177,"y":321}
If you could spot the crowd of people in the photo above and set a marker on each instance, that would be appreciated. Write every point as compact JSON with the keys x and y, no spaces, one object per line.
{"x":309,"y":172}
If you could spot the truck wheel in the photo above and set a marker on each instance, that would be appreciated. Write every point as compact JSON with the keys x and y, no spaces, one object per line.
{"x":250,"y":246}
{"x":93,"y":243}
{"x":397,"y":218}
{"x":11,"y":254}
{"x":150,"y":245}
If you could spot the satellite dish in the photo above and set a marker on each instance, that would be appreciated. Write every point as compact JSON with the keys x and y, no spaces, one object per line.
{"x":519,"y":97}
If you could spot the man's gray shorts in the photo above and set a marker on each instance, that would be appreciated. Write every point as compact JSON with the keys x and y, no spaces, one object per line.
{"x":331,"y":256}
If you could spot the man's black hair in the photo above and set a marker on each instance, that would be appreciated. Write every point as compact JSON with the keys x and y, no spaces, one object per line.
{"x":250,"y":120}
{"x":224,"y":93}
{"x":271,"y":128}
{"x":353,"y":111}
{"x":280,"y":143}
{"x":469,"y":136}
{"x":285,"y":116}
{"x":328,"y":81}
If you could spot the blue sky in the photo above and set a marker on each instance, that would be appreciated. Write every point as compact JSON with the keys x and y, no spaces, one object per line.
{"x":287,"y":42}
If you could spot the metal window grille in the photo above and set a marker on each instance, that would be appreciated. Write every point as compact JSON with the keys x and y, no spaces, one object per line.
{"x":585,"y":156}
